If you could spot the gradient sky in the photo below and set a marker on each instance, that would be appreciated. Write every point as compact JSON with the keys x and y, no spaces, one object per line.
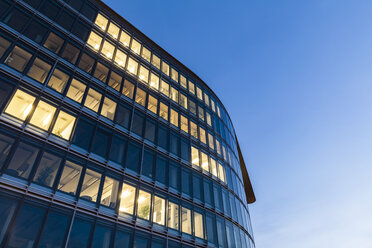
{"x":296,"y":78}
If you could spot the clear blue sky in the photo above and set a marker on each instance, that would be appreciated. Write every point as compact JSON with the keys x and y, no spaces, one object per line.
{"x":296,"y":78}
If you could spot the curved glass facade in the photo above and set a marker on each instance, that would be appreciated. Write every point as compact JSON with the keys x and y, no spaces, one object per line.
{"x":106,"y":140}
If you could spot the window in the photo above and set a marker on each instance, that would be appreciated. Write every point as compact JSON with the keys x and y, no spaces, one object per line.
{"x":162,"y":137}
{"x":221,"y":172}
{"x":83,"y":134}
{"x":144,"y":74}
{"x":197,"y":187}
{"x":174,"y":75}
{"x":127,"y":199}
{"x":161,"y":170}
{"x":213,"y":106}
{"x":55,"y":229}
{"x":133,"y":157}
{"x":43,"y":115}
{"x":79,"y":236}
{"x":152,"y":104}
{"x":120,"y":58}
{"x":39,"y":70}
{"x":202,"y":135}
{"x":101,"y":21}
{"x":150,"y":130}
{"x":164,"y":88}
{"x":128,"y":89}
{"x":4,"y":45}
{"x":174,"y":174}
{"x":163,"y":111}
{"x":113,"y":30}
{"x":90,"y":186}
{"x":102,"y":235}
{"x":108,"y":49}
{"x":218,"y":148}
{"x":192,"y":87}
{"x":140,"y":241}
{"x":174,"y":94}
{"x":174,"y":143}
{"x":58,"y":80}
{"x":108,"y":108}
{"x":158,"y":215}
{"x":201,"y":113}
{"x":70,"y":53}
{"x":173,"y":215}
{"x":64,"y":125}
{"x":186,"y":220}
{"x":76,"y":90}
{"x":132,"y":66}
{"x":174,"y":117}
{"x":141,"y":97}
{"x":213,"y":167}
{"x":16,"y":19}
{"x":22,"y":161}
{"x":6,"y":144}
{"x":155,"y":61}
{"x":86,"y":63}
{"x":146,"y":54}
{"x":110,"y":192}
{"x":123,"y":115}
{"x":183,"y":100}
{"x":135,"y":46}
{"x":47,"y":170}
{"x":211,"y":229}
{"x":70,"y":178}
{"x":53,"y":43}
{"x":20,"y":105}
{"x":94,"y":40}
{"x":209,"y":120}
{"x":18,"y":59}
{"x":115,"y":81}
{"x":154,"y":81}
{"x":165,"y":68}
{"x":204,"y":161}
{"x":210,"y":141}
{"x":199,"y":93}
{"x":101,"y":72}
{"x":148,"y":163}
{"x":184,"y":124}
{"x":117,"y":149}
{"x":100,"y":142}
{"x":93,"y":100}
{"x":122,"y":239}
{"x":208,"y":192}
{"x":198,"y":225}
{"x":183,"y":81}
{"x":138,"y":123}
{"x":143,"y":208}
{"x":186,"y":182}
{"x":194,"y":156}
{"x":124,"y":38}
{"x":185,"y":149}
{"x":194,"y":129}
{"x":35,"y":31}
{"x":192,"y":107}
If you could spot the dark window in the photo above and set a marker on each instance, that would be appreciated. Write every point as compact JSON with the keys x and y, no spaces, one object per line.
{"x":79,"y":236}
{"x":3,"y":8}
{"x":23,"y":160}
{"x":117,"y":149}
{"x":53,"y":43}
{"x":18,"y":59}
{"x":100,"y":142}
{"x":174,"y":143}
{"x":86,"y":63}
{"x":101,"y":72}
{"x":81,"y":30}
{"x":122,"y":239}
{"x":137,"y":124}
{"x":217,"y":197}
{"x":225,"y":201}
{"x":27,"y":226}
{"x":4,"y":45}
{"x":148,"y":164}
{"x":89,"y":11}
{"x":185,"y":149}
{"x":140,"y":242}
{"x":7,"y":209}
{"x":221,"y":233}
{"x":133,"y":157}
{"x":83,"y":133}
{"x":192,"y":107}
{"x":55,"y":229}
{"x":47,"y":169}
{"x":16,"y":19}
{"x":161,"y":170}
{"x":163,"y":137}
{"x":186,"y":182}
{"x":39,"y":70}
{"x":208,"y":192}
{"x":150,"y":130}
{"x":76,"y":4}
{"x":50,"y":9}
{"x":102,"y":237}
{"x":36,"y":32}
{"x":123,"y":115}
{"x":211,"y":228}
{"x":5,"y":146}
{"x":5,"y":91}
{"x":70,"y":53}
{"x":115,"y":80}
{"x":233,"y":207}
{"x":197,"y":187}
{"x":174,"y":173}
{"x":157,"y":243}
{"x":66,"y":20}
{"x":230,"y":235}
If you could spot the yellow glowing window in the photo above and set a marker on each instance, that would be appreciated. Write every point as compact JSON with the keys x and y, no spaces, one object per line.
{"x":76,"y":90}
{"x":193,"y":129}
{"x":43,"y":115}
{"x":174,"y":75}
{"x":18,"y":59}
{"x":192,"y":87}
{"x":64,"y":125}
{"x":218,"y":111}
{"x":209,"y":119}
{"x":115,"y":81}
{"x":174,"y":94}
{"x":93,"y":100}
{"x":94,"y":40}
{"x":141,"y":97}
{"x":202,"y":135}
{"x":214,"y":167}
{"x":20,"y":105}
{"x":213,"y":106}
{"x":201,"y":113}
{"x":184,"y":124}
{"x":163,"y":111}
{"x":210,"y":141}
{"x":183,"y":81}
{"x":173,"y":215}
{"x":120,"y":58}
{"x":146,"y":54}
{"x":198,"y":225}
{"x":132,"y":66}
{"x":224,"y":152}
{"x":155,"y":61}
{"x":221,"y":172}
{"x":108,"y":108}
{"x":127,"y":196}
{"x":152,"y":104}
{"x":108,"y":49}
{"x":206,"y":99}
{"x":154,"y":81}
{"x":128,"y":89}
{"x":143,"y":74}
{"x":204,"y":161}
{"x":199,"y":93}
{"x":58,"y":80}
{"x":174,"y":117}
{"x":39,"y":70}
{"x":183,"y":100}
{"x":135,"y":46}
{"x":165,"y":68}
{"x":186,"y":220}
{"x":194,"y":156}
{"x":101,"y":21}
{"x":158,"y":215}
{"x":218,"y":148}
{"x":143,"y":207}
{"x":113,"y":30}
{"x":124,"y":38}
{"x":164,"y":88}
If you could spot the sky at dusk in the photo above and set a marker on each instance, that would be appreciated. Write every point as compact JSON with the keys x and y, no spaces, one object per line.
{"x":296,"y":79}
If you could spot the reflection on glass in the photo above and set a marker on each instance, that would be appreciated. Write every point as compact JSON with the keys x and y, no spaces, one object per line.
{"x":39,"y":70}
{"x":94,"y":40}
{"x":174,"y":75}
{"x":173,"y":215}
{"x":108,"y":108}
{"x":47,"y":170}
{"x":210,"y":141}
{"x":64,"y":124}
{"x":89,"y":189}
{"x":186,"y":220}
{"x":183,"y":100}
{"x":194,"y":156}
{"x":101,"y":21}
{"x":58,"y":80}
{"x":5,"y":146}
{"x":193,"y":129}
{"x":70,"y":178}
{"x":22,"y":161}
{"x":43,"y":115}
{"x":143,"y":207}
{"x":20,"y":105}
{"x":199,"y":93}
{"x":206,"y":99}
{"x":18,"y":59}
{"x":183,"y":81}
{"x":204,"y":161}
{"x":202,"y":135}
{"x":127,"y":199}
{"x":93,"y":100}
{"x":221,"y":172}
{"x":174,"y":94}
{"x":76,"y":90}
{"x":109,"y":192}
{"x":4,"y":44}
{"x":192,"y":87}
{"x":158,"y":215}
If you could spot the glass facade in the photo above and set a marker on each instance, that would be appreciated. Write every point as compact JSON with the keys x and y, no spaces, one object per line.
{"x":106,"y":140}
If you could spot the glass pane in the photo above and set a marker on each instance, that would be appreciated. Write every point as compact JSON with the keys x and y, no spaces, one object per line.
{"x":124,"y":38}
{"x":193,"y":129}
{"x":123,"y":115}
{"x":174,"y":94}
{"x":113,"y":30}
{"x":199,"y":93}
{"x":122,"y":239}
{"x":184,"y":124}
{"x":210,"y":141}
{"x":147,"y":164}
{"x":173,"y":215}
{"x":102,"y":237}
{"x":186,"y":220}
{"x":154,"y":81}
{"x":155,"y":61}
{"x":94,"y":40}
{"x":132,"y":66}
{"x":201,"y":113}
{"x":161,"y":170}
{"x":213,"y":167}
{"x":183,"y":81}
{"x":165,"y":68}
{"x":7,"y":209}
{"x":101,"y":21}
{"x":198,"y":225}
{"x":163,"y":111}
{"x":120,"y":58}
{"x":211,"y":229}
{"x":152,"y":104}
{"x":6,"y":144}
{"x":86,"y":63}
{"x":158,"y":215}
{"x":93,"y":100}
{"x":174,"y":75}
{"x":100,"y":142}
{"x":79,"y":236}
{"x":174,"y":117}
{"x":47,"y":170}
{"x":101,"y":72}
{"x":133,"y":157}
{"x":127,"y":199}
{"x":183,"y":101}
{"x":143,"y":208}
{"x":4,"y":44}
{"x":128,"y":89}
{"x":89,"y":189}
{"x":140,"y":242}
{"x":135,"y":46}
{"x":115,"y":81}
{"x":64,"y":125}
{"x":186,"y":182}
{"x":43,"y":115}
{"x":174,"y":172}
{"x":204,"y":161}
{"x":192,"y":87}
{"x":108,"y":108}
{"x":39,"y":70}
{"x":58,"y":80}
{"x":18,"y":59}
{"x":110,"y":192}
{"x":108,"y":49}
{"x":70,"y":178}
{"x":76,"y":90}
{"x":164,"y":88}
{"x":144,"y":74}
{"x":194,"y":156}
{"x":141,"y":97}
{"x":197,"y":187}
{"x":22,"y":161}
{"x":117,"y":149}
{"x":54,"y":231}
{"x":150,"y":130}
{"x":53,"y":42}
{"x":146,"y":54}
{"x":20,"y":105}
{"x":221,"y":172}
{"x":70,"y":53}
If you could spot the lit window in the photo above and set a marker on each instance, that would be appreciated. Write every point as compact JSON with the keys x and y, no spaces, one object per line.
{"x":186,"y":220}
{"x":202,"y":135}
{"x":218,"y":111}
{"x":132,"y":66}
{"x":94,"y":41}
{"x":113,"y":30}
{"x":206,"y":99}
{"x":221,"y":172}
{"x":43,"y":115}
{"x":192,"y":87}
{"x":158,"y":215}
{"x":115,"y":81}
{"x":89,"y":189}
{"x":214,"y":167}
{"x":93,"y":100}
{"x":76,"y":90}
{"x":108,"y":49}
{"x":163,"y":111}
{"x":183,"y":100}
{"x":108,"y":108}
{"x":146,"y":54}
{"x":64,"y":125}
{"x":124,"y":38}
{"x":201,"y":113}
{"x":173,"y":215}
{"x":199,"y":93}
{"x":53,"y":42}
{"x":70,"y":178}
{"x":165,"y":68}
{"x":101,"y":72}
{"x":204,"y":161}
{"x":127,"y":199}
{"x":58,"y":80}
{"x":174,"y":117}
{"x":152,"y":104}
{"x":155,"y":61}
{"x":174,"y":75}
{"x":183,"y":81}
{"x":39,"y":70}
{"x":109,"y":192}
{"x":144,"y":74}
{"x":143,"y":208}
{"x":86,"y":63}
{"x":210,"y":141}
{"x":174,"y":94}
{"x":198,"y":225}
{"x":218,"y":148}
{"x":193,"y":129}
{"x":18,"y":59}
{"x":209,"y":119}
{"x":135,"y":46}
{"x":101,"y":21}
{"x":224,"y":152}
{"x":141,"y":97}
{"x":120,"y":58}
{"x":213,"y":106}
{"x":192,"y":106}
{"x":21,"y":105}
{"x":164,"y":88}
{"x":184,"y":124}
{"x":154,"y":81}
{"x":128,"y":89}
{"x":194,"y":156}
